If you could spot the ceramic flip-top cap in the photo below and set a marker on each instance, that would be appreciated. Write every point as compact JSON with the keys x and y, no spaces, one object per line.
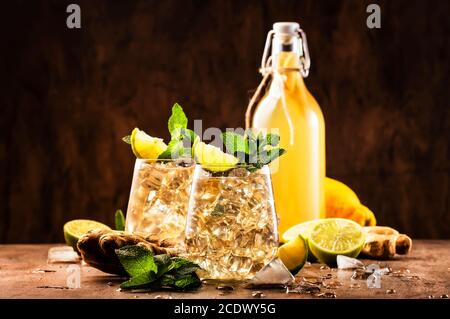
{"x":286,"y":27}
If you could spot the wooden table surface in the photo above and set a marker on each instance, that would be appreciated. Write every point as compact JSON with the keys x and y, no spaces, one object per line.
{"x":22,"y":266}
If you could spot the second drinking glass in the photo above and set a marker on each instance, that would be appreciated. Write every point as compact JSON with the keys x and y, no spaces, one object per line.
{"x":231,"y":229}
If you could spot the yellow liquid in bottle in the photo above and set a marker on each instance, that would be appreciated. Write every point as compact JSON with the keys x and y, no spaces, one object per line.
{"x":298,"y":176}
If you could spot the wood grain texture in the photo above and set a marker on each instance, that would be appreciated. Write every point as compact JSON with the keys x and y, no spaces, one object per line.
{"x":21,"y":278}
{"x":68,"y":96}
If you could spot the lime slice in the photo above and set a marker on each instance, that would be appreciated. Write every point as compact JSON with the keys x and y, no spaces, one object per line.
{"x":146,"y":146}
{"x":303,"y":229}
{"x":335,"y":236}
{"x":212,"y":158}
{"x":294,"y":254}
{"x":74,"y":229}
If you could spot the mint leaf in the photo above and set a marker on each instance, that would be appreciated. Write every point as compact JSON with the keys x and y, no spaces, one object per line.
{"x":174,"y":150}
{"x":188,"y":134}
{"x":136,"y":260}
{"x":272,"y":139}
{"x":188,"y":282}
{"x":267,"y":156}
{"x":140,"y":281}
{"x":252,"y":143}
{"x":167,"y":280}
{"x":233,"y":142}
{"x":183,"y":134}
{"x":181,"y":263}
{"x":164,"y":264}
{"x":127,"y":139}
{"x":181,"y":274}
{"x":250,"y":134}
{"x":183,"y":282}
{"x":177,"y":120}
{"x":188,"y":269}
{"x":150,"y":272}
{"x":119,"y":220}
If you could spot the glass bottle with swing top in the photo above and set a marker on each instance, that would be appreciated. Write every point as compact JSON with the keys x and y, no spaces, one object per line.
{"x":287,"y":107}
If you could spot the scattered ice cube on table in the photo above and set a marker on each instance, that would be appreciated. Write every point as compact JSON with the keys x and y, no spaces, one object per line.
{"x":62,"y":254}
{"x":344,"y":262}
{"x":384,"y":271}
{"x":274,"y":273}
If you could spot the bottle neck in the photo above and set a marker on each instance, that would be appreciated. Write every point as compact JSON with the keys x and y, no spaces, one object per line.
{"x":286,"y":52}
{"x":286,"y":43}
{"x":286,"y":59}
{"x":285,"y":63}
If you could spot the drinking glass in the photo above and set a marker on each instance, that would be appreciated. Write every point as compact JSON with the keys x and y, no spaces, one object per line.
{"x":159,"y":198}
{"x":231,"y":229}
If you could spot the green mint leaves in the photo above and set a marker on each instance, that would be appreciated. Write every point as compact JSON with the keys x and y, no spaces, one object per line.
{"x":182,"y":138}
{"x":119,"y":220}
{"x":177,"y":120}
{"x":234,"y":143}
{"x":253,"y":150}
{"x":149,"y":272}
{"x":137,"y":260}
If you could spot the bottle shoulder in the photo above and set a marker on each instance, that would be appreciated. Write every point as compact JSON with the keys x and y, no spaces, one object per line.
{"x":299,"y":102}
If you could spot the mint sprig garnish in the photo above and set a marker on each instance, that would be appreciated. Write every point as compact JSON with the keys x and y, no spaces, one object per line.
{"x":177,"y":120}
{"x":253,"y":150}
{"x":150,"y":272}
{"x":181,"y":138}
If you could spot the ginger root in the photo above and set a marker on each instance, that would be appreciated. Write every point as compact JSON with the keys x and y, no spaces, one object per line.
{"x":97,"y":248}
{"x":385,"y":242}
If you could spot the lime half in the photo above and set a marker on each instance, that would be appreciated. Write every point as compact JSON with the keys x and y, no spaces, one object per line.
{"x":294,"y":254}
{"x":212,"y":158}
{"x":303,"y":229}
{"x":74,"y":229}
{"x":146,"y":146}
{"x":335,"y":236}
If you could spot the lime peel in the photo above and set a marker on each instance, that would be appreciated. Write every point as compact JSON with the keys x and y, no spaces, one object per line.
{"x":212,"y":158}
{"x":146,"y":146}
{"x":303,"y":229}
{"x":294,"y":254}
{"x":335,"y":236}
{"x":74,"y":229}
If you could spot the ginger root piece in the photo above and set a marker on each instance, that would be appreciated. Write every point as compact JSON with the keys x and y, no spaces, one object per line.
{"x":385,"y":242}
{"x":97,"y":248}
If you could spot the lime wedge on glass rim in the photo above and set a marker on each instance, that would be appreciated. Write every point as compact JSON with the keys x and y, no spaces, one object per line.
{"x":335,"y":236}
{"x":212,"y":158}
{"x":146,"y":146}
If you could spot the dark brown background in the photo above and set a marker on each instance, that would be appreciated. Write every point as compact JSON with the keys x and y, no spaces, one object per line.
{"x":68,"y":96}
